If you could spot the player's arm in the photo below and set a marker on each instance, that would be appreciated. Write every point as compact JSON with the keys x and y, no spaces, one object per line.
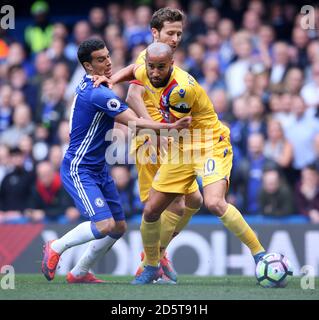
{"x":135,"y":100}
{"x":125,"y":74}
{"x":129,"y":116}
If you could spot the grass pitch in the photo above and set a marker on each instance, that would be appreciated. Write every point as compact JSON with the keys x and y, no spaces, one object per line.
{"x":36,"y":287}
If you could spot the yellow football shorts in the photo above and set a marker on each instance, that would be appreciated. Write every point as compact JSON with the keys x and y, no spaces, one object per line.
{"x":148,"y":162}
{"x":179,"y":177}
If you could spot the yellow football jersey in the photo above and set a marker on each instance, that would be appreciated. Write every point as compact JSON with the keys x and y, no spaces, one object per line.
{"x":183,"y":96}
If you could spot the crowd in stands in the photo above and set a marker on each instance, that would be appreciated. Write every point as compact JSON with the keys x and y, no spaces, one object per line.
{"x":258,"y":64}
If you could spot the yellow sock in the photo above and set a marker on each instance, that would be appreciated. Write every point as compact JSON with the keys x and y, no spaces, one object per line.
{"x":169,"y":221}
{"x":188,"y":213}
{"x":151,"y":241}
{"x":234,"y":221}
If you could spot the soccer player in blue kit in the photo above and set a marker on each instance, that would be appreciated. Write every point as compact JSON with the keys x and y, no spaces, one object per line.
{"x":84,"y":170}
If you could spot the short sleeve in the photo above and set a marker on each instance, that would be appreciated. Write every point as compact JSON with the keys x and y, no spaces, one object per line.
{"x":140,"y":72}
{"x":181,"y":100}
{"x":108,"y":102}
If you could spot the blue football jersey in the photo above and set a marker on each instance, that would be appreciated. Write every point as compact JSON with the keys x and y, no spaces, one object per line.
{"x":92,"y":115}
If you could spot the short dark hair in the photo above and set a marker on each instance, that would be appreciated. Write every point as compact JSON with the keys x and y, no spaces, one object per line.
{"x":165,"y":14}
{"x":87,"y":47}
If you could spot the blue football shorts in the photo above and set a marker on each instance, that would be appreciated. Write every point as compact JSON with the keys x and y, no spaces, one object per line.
{"x":94,"y":193}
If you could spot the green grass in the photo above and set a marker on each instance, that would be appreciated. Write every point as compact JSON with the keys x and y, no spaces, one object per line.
{"x":35,"y":287}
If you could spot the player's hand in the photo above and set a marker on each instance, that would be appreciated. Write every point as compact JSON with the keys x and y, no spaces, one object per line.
{"x":182,"y":123}
{"x":97,"y":80}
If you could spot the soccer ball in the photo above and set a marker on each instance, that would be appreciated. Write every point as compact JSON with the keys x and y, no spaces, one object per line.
{"x":273,"y":270}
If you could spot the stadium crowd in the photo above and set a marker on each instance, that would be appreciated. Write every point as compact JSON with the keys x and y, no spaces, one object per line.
{"x":257,"y":63}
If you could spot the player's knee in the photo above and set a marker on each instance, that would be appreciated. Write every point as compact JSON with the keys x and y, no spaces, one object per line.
{"x":216,"y":205}
{"x":105,"y":226}
{"x":150,"y":214}
{"x":177,"y":206}
{"x":120,"y":227}
{"x":194,"y":200}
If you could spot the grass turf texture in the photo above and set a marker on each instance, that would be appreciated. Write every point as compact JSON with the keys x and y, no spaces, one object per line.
{"x":36,"y":287}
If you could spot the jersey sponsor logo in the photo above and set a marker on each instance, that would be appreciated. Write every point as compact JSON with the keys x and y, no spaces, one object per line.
{"x":181,"y":107}
{"x":99,"y":202}
{"x":113,"y":104}
{"x":182,"y":93}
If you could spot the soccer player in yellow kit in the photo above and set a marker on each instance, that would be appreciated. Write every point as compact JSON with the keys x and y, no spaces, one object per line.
{"x":167,"y":27}
{"x":177,"y":94}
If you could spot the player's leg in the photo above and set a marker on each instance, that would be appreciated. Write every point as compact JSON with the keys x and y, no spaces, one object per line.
{"x":214,"y":198}
{"x":98,"y":248}
{"x":88,"y":198}
{"x":95,"y":251}
{"x":150,"y":231}
{"x":193,"y":202}
{"x":170,"y":217}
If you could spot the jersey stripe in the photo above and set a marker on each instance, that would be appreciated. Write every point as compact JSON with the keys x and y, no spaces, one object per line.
{"x":77,"y":160}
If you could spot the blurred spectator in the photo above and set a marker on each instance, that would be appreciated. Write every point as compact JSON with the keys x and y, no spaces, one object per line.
{"x":140,"y":31}
{"x":25,"y":145}
{"x":4,"y":161}
{"x":275,"y":198}
{"x":248,"y":178}
{"x":238,"y":131}
{"x":300,"y":40}
{"x":310,"y":91}
{"x":97,"y":20}
{"x":252,"y":24}
{"x":301,"y":132}
{"x":313,"y":57}
{"x":5,"y":107}
{"x":49,"y":201}
{"x":281,"y":109}
{"x":195,"y":60}
{"x":316,"y":147}
{"x":17,"y":98}
{"x":39,"y":35}
{"x":277,"y":147}
{"x":15,"y":188}
{"x":21,"y":126}
{"x":56,"y":157}
{"x":237,"y":70}
{"x":18,"y":79}
{"x":211,"y":80}
{"x":17,"y":56}
{"x":293,"y":81}
{"x":256,"y":122}
{"x":195,"y":21}
{"x":280,"y":64}
{"x":81,"y":31}
{"x":51,"y":110}
{"x":225,"y":31}
{"x":220,"y":103}
{"x":307,"y":194}
{"x":122,"y":179}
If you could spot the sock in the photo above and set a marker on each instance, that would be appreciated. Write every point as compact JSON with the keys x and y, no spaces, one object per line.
{"x":80,"y":234}
{"x":151,"y":241}
{"x":95,"y":250}
{"x":234,"y":222}
{"x":169,"y":221}
{"x":188,"y":213}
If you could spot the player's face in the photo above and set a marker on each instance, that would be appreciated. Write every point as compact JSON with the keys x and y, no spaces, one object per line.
{"x":101,"y":63}
{"x":158,"y":70}
{"x":170,"y":34}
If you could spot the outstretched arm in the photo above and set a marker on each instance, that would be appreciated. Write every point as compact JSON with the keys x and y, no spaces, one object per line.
{"x":125,"y":74}
{"x":135,"y":100}
{"x":128,"y":115}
